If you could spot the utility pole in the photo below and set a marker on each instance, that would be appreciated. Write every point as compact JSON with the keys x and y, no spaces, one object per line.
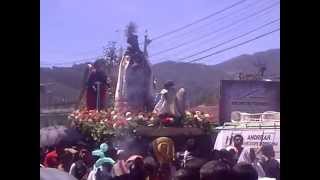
{"x":146,"y":43}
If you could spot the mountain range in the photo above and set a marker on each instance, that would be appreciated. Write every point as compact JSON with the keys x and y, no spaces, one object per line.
{"x":201,"y":81}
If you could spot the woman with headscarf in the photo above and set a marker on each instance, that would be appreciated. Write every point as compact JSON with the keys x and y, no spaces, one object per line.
{"x":136,"y":168}
{"x":248,"y":155}
{"x":164,"y":152}
{"x":120,"y":170}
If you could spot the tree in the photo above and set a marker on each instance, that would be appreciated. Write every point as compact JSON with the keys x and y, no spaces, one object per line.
{"x":112,"y":65}
{"x":262,"y":67}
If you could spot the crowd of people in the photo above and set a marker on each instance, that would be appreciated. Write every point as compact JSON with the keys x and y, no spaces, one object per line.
{"x":162,"y":162}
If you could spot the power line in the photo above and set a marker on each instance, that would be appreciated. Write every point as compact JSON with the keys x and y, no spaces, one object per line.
{"x":230,"y":40}
{"x":216,"y":20}
{"x":237,"y":45}
{"x":207,"y":40}
{"x":211,"y":33}
{"x":199,"y":20}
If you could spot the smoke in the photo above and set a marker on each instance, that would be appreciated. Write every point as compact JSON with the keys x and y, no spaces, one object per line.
{"x":132,"y":145}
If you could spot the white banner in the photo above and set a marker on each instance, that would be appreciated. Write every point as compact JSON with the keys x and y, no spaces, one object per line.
{"x":251,"y":138}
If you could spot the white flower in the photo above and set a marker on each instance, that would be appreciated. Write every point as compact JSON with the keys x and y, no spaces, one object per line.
{"x":163,"y":91}
{"x":114,"y":117}
{"x":206,"y":115}
{"x":114,"y":125}
{"x":113,"y":112}
{"x":128,"y":114}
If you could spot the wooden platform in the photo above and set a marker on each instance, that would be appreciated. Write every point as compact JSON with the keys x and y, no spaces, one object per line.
{"x":168,"y":131}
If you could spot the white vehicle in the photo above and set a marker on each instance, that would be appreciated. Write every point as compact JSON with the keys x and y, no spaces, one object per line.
{"x":256,"y":130}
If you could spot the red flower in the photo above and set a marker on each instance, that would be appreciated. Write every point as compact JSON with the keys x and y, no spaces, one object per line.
{"x":167,"y":120}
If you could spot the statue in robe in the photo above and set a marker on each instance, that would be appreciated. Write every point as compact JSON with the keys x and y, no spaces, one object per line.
{"x":134,"y":85}
{"x":95,"y":86}
{"x":172,"y":102}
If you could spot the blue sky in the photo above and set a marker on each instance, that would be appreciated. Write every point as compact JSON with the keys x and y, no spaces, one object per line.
{"x":72,"y":30}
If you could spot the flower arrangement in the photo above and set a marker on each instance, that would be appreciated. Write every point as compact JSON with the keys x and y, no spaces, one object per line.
{"x":108,"y":123}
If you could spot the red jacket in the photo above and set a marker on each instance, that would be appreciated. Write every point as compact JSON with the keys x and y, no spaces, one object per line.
{"x":51,"y":160}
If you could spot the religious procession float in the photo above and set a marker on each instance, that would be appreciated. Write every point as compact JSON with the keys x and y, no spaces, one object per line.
{"x":135,"y":113}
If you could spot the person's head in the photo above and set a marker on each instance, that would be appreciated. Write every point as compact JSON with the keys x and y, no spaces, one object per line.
{"x":85,"y":156}
{"x":215,"y":170}
{"x":107,"y":167}
{"x":122,"y":155}
{"x":267,"y":150}
{"x":49,"y":149}
{"x":104,"y":171}
{"x":135,"y":162}
{"x":185,"y":174}
{"x":194,"y":166}
{"x":238,"y":141}
{"x":195,"y":163}
{"x":165,"y":170}
{"x":105,"y":163}
{"x":214,"y":154}
{"x":227,"y":157}
{"x":80,"y":169}
{"x":190,"y":144}
{"x":138,"y":163}
{"x":245,"y":171}
{"x":137,"y":171}
{"x":150,"y":166}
